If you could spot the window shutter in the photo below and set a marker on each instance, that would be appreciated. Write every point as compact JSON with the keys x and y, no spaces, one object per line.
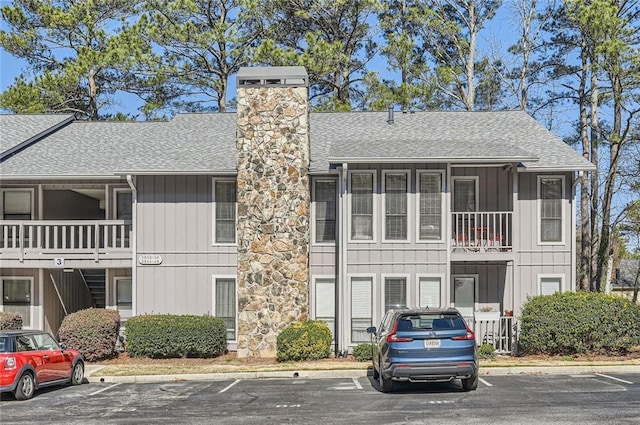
{"x":549,"y":285}
{"x":429,"y":292}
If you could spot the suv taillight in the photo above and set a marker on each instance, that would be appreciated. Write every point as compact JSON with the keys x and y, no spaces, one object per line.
{"x":392,"y":337}
{"x":469,"y":336}
{"x":9,"y":363}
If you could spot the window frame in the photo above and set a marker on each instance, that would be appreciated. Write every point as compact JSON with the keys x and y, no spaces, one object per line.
{"x":383,"y":287}
{"x":313,"y":299}
{"x":440,"y":277}
{"x":116,"y":279}
{"x":215,"y":180}
{"x":476,"y":180}
{"x":374,"y":318}
{"x":562,"y":209}
{"x":314,"y":214}
{"x":32,"y":306}
{"x":559,"y":276}
{"x":31,"y":192}
{"x":214,"y":283}
{"x":419,"y":174}
{"x":408,"y":218}
{"x":374,"y":213}
{"x":116,"y":191}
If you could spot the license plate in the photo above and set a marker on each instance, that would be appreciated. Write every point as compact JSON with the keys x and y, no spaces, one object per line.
{"x":431,"y":343}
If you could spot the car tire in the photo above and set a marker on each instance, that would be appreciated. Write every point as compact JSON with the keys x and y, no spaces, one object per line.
{"x":376,"y":374}
{"x":386,"y":385}
{"x":26,"y":387}
{"x":77,"y":373}
{"x":470,"y":383}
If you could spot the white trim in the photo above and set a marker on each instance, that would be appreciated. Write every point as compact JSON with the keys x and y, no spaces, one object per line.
{"x":383,"y":282}
{"x":559,"y":276}
{"x":213,"y":211}
{"x":315,"y":180}
{"x":17,"y":189}
{"x":443,"y":300}
{"x":374,"y":223}
{"x":409,"y":229}
{"x":374,"y":304}
{"x":476,"y":180}
{"x":419,"y":173}
{"x":562,"y":209}
{"x":32,"y":309}
{"x":214,"y":279}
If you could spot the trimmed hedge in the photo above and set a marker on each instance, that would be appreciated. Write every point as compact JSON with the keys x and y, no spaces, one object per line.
{"x":172,"y":336}
{"x":486,"y":351}
{"x":579,"y":323}
{"x":10,"y":321}
{"x":364,"y":352}
{"x":93,"y":332}
{"x":310,"y":340}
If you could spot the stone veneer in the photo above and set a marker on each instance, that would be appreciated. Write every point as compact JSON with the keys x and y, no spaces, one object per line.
{"x":273,"y":214}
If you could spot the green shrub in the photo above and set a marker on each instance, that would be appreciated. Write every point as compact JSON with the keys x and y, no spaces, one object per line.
{"x":93,"y":332}
{"x":173,"y":336}
{"x":579,"y":323}
{"x":310,"y":340}
{"x":364,"y":352}
{"x":10,"y":321}
{"x":486,"y":351}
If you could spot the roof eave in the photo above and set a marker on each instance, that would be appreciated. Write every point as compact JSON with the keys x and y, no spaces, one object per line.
{"x":457,"y":160}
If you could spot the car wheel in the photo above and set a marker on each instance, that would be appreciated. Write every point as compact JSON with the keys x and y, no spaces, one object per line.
{"x":26,"y":387}
{"x":470,"y":383}
{"x":77,"y":374}
{"x":386,"y":385}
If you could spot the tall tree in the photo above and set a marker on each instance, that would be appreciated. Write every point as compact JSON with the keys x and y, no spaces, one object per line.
{"x":77,"y":54}
{"x":331,"y":38}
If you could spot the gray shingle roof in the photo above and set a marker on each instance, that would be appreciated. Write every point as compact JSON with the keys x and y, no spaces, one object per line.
{"x":206,"y":143}
{"x":17,"y":129}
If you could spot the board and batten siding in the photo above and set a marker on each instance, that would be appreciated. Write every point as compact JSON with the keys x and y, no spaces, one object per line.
{"x":175,"y":221}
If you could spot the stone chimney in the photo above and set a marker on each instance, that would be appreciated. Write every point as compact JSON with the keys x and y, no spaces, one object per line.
{"x":273,"y":205}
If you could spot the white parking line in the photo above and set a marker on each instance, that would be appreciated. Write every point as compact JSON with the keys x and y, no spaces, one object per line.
{"x":358,"y":386}
{"x":614,"y":378}
{"x":229,"y":386}
{"x":105,"y":389}
{"x":485,"y":382}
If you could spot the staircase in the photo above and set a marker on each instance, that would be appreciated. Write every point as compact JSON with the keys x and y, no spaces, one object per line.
{"x":95,"y":279}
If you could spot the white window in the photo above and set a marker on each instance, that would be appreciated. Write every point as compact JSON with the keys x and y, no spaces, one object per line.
{"x":430,"y":206}
{"x":17,"y":204}
{"x":549,"y":284}
{"x":465,"y":194}
{"x":396,"y":186}
{"x":124,"y":297}
{"x":361,"y":308}
{"x":17,"y":297}
{"x":224,"y":303}
{"x":361,"y":187}
{"x":429,"y":290}
{"x":124,"y":204}
{"x":324,"y":303}
{"x":324,"y":202}
{"x":395,"y":292}
{"x":550,"y":191}
{"x":224,"y":198}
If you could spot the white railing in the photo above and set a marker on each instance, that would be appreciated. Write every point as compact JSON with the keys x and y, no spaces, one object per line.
{"x":482,"y":231}
{"x":499,"y":333}
{"x":65,"y":236}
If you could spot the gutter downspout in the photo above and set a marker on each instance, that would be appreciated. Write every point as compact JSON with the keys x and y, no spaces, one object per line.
{"x":576,"y":180}
{"x":342,"y":290}
{"x":134,"y":245}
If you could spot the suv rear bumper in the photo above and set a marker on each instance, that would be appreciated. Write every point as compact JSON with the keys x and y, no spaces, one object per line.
{"x":424,"y":372}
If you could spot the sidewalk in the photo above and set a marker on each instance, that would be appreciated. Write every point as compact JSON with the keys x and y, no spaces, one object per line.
{"x":92,"y":373}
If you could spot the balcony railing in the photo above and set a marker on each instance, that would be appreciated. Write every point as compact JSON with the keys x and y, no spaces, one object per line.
{"x":65,"y":236}
{"x":482,"y":231}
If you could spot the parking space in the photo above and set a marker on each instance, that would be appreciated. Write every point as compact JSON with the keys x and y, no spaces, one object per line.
{"x":327,"y":401}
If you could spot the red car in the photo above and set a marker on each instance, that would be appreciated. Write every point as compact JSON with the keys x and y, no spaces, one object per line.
{"x":33,"y":359}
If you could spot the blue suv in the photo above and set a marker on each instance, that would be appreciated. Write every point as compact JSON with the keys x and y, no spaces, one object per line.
{"x":424,"y":345}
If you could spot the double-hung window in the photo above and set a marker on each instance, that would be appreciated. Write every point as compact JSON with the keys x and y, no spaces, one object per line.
{"x":325,"y":302}
{"x":395,"y":206}
{"x":430,"y":205}
{"x":225,"y":303}
{"x":362,"y":184}
{"x":549,"y":285}
{"x":361,"y":308}
{"x":325,"y":210}
{"x":224,"y":197}
{"x":395,"y":292}
{"x":550,"y":197}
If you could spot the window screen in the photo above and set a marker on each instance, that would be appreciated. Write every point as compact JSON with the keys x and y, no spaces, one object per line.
{"x":225,"y":199}
{"x":464,"y":195}
{"x":325,"y":207}
{"x":395,"y":206}
{"x":226,"y":305}
{"x":551,"y":209}
{"x":430,"y":206}
{"x":361,"y":206}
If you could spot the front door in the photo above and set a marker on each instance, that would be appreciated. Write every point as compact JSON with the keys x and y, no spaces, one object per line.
{"x":464,"y":294}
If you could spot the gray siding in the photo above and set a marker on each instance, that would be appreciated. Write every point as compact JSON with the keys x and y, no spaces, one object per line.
{"x":175,"y":220}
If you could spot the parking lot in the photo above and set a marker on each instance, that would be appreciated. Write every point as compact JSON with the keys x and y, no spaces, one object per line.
{"x":518,"y":399}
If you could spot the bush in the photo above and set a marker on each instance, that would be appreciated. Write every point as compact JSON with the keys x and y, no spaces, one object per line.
{"x":173,"y":336}
{"x":579,"y":323}
{"x":486,"y":351}
{"x":364,"y":352}
{"x":93,"y":332}
{"x":10,"y":321}
{"x":310,"y":340}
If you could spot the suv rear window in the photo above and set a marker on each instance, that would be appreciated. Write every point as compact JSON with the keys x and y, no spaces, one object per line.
{"x":431,"y":321}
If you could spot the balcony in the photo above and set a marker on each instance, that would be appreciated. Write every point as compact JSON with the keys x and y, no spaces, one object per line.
{"x":77,"y":239}
{"x":482,"y":231}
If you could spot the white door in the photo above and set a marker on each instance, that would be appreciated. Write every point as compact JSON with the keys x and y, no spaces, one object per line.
{"x":464,"y":294}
